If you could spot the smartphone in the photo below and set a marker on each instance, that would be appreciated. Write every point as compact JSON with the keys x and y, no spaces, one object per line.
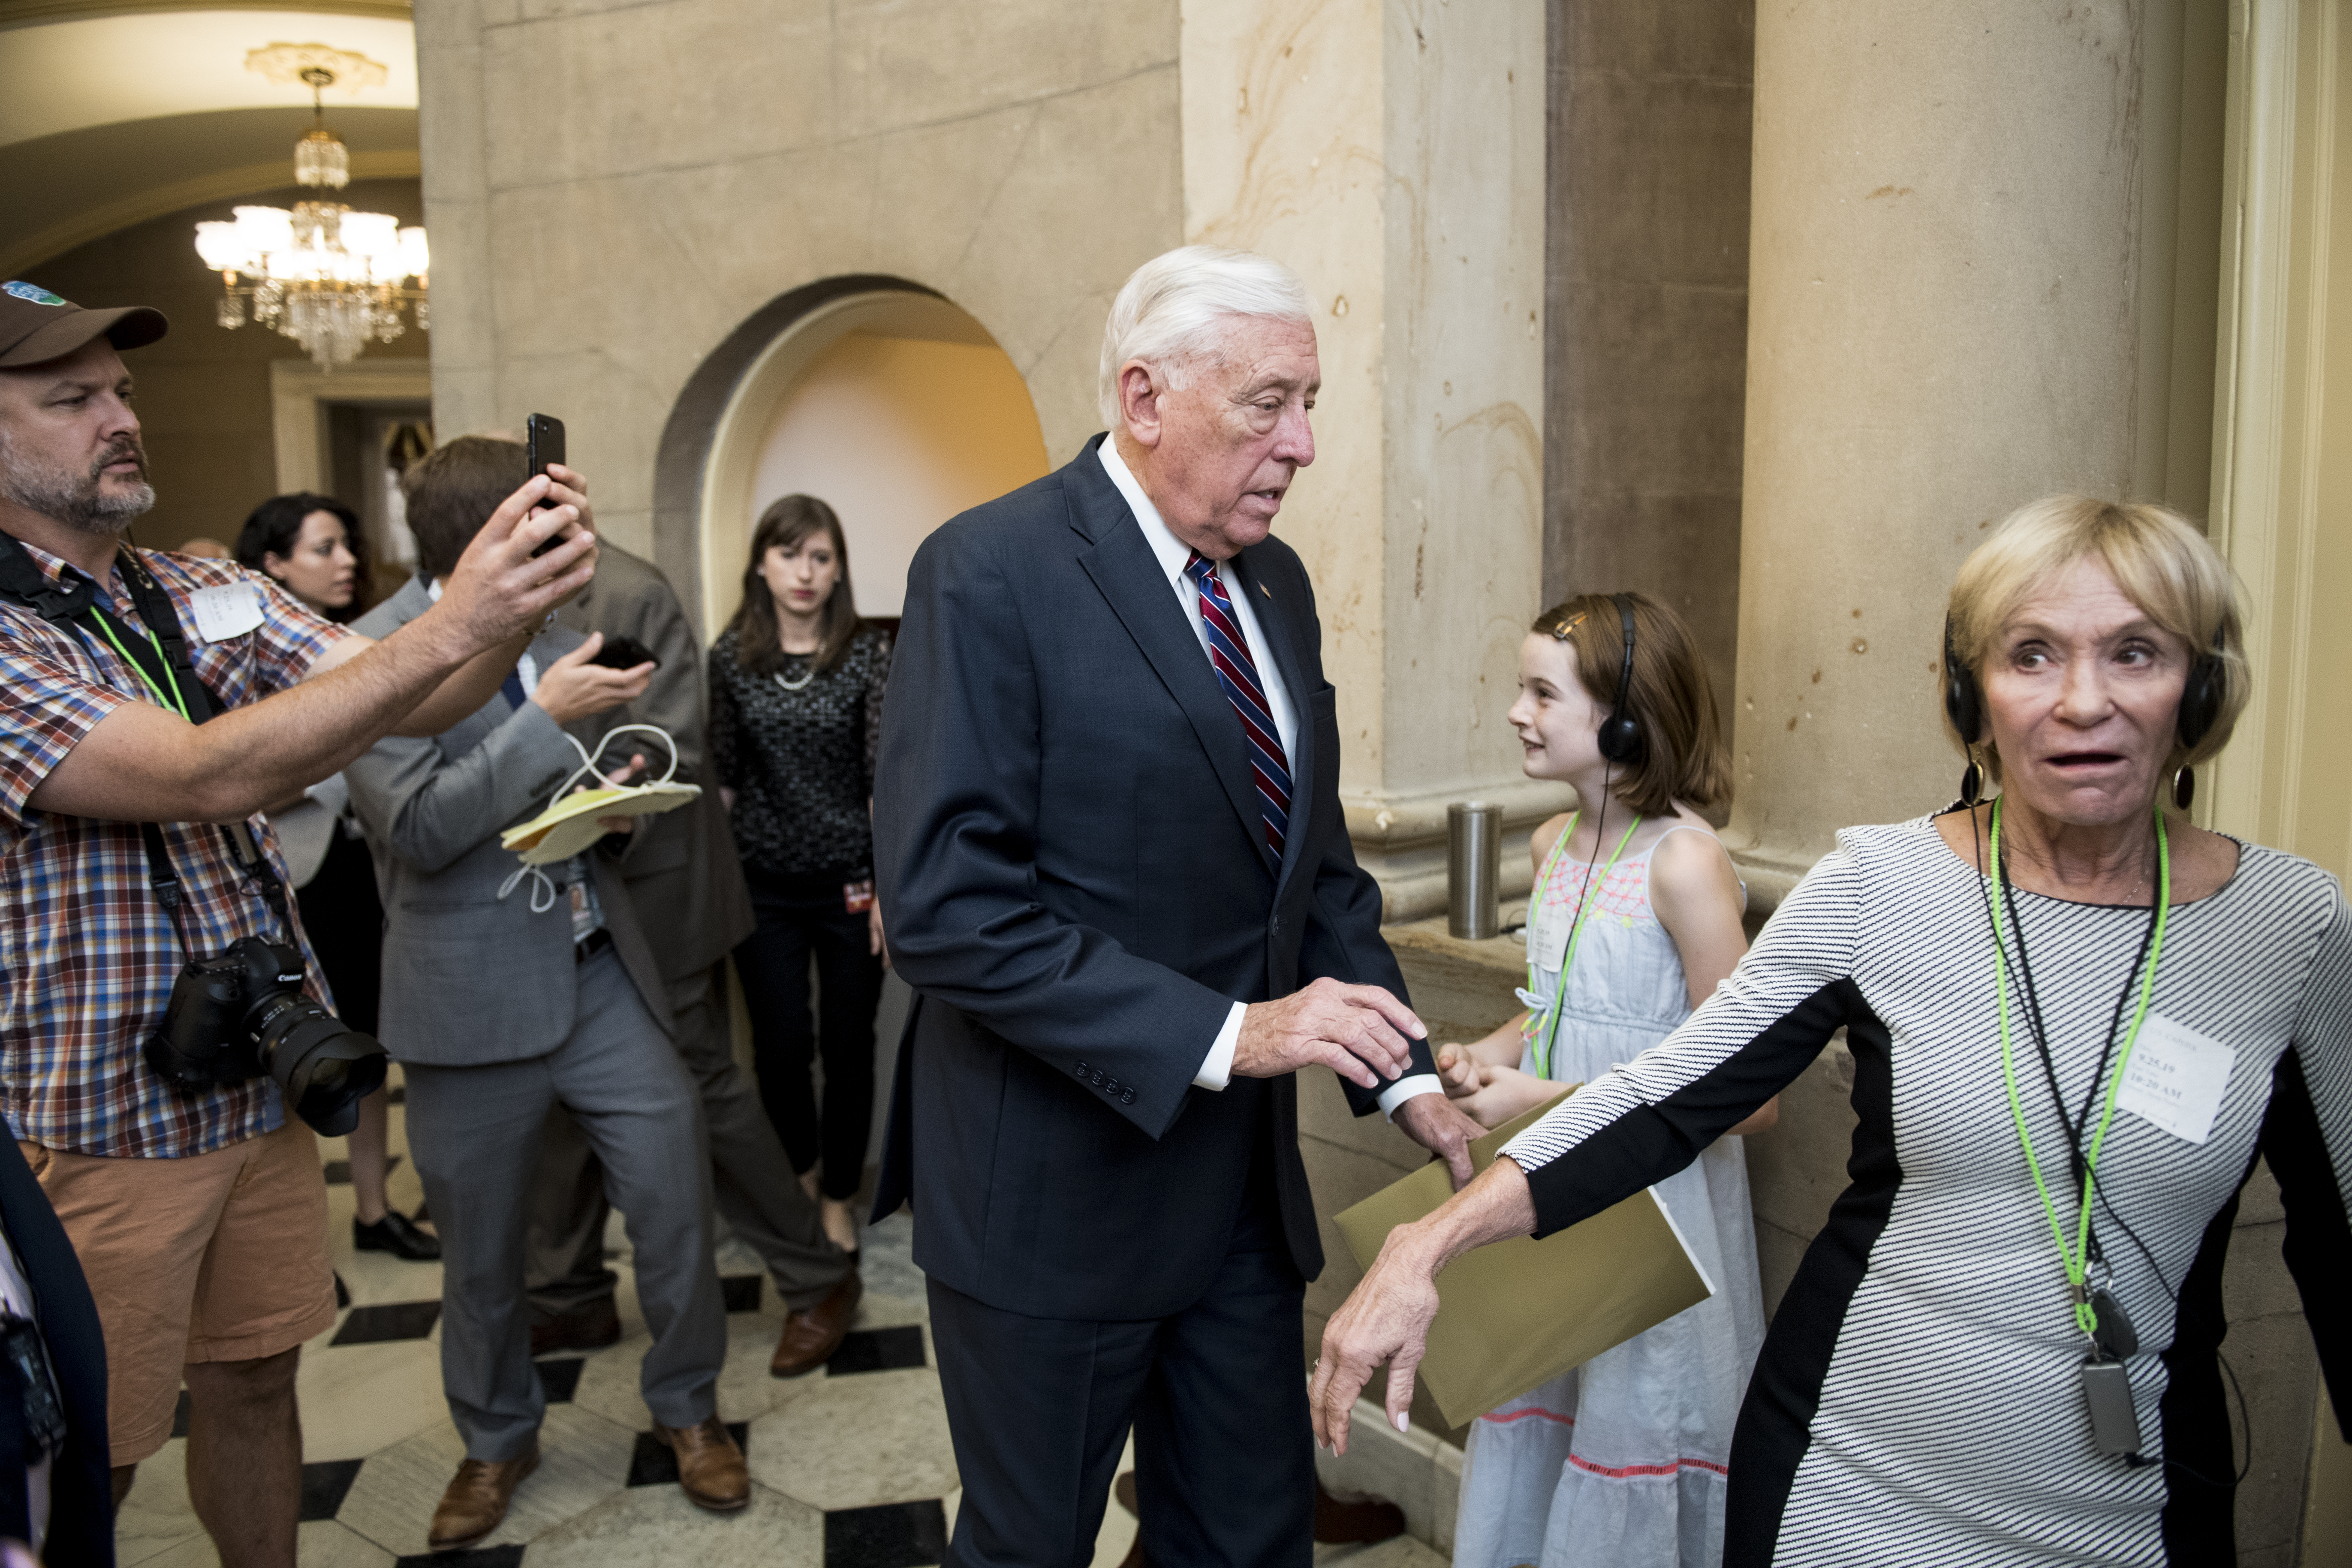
{"x":542,"y":443}
{"x":623,"y":653}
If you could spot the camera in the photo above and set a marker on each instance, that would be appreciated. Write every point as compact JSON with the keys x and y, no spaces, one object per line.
{"x":244,"y":1014}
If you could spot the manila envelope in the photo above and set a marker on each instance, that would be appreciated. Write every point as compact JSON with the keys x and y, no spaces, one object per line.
{"x":1515,"y":1314}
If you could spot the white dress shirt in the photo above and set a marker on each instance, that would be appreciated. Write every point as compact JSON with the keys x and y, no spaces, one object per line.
{"x":1217,"y":1067}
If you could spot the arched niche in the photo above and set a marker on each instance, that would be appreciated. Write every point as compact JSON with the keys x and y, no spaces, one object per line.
{"x":880,"y":396}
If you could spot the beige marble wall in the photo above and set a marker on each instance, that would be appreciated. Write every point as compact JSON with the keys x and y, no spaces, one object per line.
{"x":1393,"y":151}
{"x":613,"y":187}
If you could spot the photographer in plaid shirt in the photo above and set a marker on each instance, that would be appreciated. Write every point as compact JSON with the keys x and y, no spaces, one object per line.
{"x":200,"y":1219}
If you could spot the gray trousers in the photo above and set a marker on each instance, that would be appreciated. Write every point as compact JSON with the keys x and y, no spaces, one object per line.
{"x":750,"y":1179}
{"x":474,"y":1134}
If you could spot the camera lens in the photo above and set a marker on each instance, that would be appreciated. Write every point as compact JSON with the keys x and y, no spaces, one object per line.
{"x":322,"y":1068}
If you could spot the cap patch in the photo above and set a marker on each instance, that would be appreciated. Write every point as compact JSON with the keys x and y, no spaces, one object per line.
{"x":33,"y":292}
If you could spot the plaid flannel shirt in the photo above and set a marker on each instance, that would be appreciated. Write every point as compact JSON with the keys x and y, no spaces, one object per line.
{"x":86,"y":955}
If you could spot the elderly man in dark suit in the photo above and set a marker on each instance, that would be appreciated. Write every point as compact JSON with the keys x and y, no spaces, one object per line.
{"x":687,"y":883}
{"x":1111,"y":854}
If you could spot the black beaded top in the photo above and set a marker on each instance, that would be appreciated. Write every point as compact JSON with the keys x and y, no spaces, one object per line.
{"x":800,"y":758}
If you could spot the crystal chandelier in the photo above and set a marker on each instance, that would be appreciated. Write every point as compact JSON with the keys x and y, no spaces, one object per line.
{"x":327,"y":277}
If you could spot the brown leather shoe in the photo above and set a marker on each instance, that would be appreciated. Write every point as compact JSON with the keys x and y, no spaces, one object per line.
{"x":589,"y":1328}
{"x":476,"y":1500}
{"x":710,"y":1465}
{"x":811,"y":1334}
{"x":1355,"y":1517}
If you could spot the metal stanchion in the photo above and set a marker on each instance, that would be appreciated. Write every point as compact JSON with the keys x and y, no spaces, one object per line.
{"x":1474,"y":870}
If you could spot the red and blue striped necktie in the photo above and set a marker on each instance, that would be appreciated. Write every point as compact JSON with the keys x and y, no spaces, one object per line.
{"x":1229,"y":655}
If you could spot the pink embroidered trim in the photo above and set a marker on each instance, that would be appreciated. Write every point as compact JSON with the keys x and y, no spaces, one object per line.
{"x":1627,"y":1472}
{"x":1523,"y":1415}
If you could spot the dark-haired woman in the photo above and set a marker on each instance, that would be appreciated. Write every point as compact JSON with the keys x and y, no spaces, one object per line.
{"x":310,"y":545}
{"x":795,"y":709}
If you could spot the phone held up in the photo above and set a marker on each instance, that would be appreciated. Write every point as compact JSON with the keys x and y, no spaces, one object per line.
{"x":543,"y":444}
{"x":622,"y":652}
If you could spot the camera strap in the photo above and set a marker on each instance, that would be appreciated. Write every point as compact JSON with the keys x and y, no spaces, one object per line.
{"x":158,"y":652}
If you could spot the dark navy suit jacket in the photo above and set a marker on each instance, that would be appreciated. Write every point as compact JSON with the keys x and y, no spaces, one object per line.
{"x":82,"y":1495}
{"x":1077,"y":885}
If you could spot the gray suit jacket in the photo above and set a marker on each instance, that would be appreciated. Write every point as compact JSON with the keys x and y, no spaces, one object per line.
{"x":683,"y":873}
{"x":471,"y":978}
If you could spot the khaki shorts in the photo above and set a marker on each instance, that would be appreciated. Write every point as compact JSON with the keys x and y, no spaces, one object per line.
{"x":218,"y":1257}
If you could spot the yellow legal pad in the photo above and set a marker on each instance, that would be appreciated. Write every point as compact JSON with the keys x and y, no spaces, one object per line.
{"x":569,"y":825}
{"x":1515,"y":1314}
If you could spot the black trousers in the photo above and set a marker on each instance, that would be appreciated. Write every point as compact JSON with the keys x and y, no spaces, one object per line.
{"x":1224,"y":1462}
{"x":344,"y":921}
{"x":799,"y":916}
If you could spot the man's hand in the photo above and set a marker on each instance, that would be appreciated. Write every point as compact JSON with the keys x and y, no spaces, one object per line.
{"x":636,"y":770}
{"x":571,"y":688}
{"x":1357,"y":1031}
{"x":498,"y":589}
{"x":1436,"y":1124}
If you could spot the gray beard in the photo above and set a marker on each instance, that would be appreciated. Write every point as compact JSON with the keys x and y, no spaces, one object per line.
{"x":71,"y":500}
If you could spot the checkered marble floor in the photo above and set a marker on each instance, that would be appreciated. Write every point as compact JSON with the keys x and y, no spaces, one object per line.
{"x":851,"y":1465}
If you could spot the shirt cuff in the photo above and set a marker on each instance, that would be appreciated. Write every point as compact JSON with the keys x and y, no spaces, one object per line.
{"x":1405,"y":1088}
{"x":1217,"y":1067}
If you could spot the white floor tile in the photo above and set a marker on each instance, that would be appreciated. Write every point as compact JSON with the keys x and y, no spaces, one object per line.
{"x":878,"y":1437}
{"x":357,"y":1400}
{"x":585,"y":1459}
{"x":156,"y":1518}
{"x":655,"y":1527}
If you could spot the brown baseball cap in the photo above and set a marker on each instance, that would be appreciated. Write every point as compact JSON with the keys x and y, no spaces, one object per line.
{"x":36,"y":326}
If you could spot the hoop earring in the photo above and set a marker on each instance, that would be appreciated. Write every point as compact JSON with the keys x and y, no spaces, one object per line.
{"x":2184,"y":787}
{"x":1972,"y":782}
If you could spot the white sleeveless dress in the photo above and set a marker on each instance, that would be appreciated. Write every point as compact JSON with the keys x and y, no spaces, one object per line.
{"x":1621,"y":1462}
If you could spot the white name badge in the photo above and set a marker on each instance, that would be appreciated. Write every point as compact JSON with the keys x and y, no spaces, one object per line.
{"x":2175,"y":1078}
{"x":228,"y":611}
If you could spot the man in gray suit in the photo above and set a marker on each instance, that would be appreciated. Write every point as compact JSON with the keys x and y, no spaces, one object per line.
{"x":507,"y":994}
{"x":687,"y":885}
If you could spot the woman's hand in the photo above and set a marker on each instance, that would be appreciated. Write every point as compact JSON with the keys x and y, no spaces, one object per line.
{"x":1386,"y":1317}
{"x":880,"y":948}
{"x":571,"y":688}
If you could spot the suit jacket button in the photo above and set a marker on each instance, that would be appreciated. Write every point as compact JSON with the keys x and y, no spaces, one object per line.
{"x":1082,"y":1070}
{"x":1128,"y":1098}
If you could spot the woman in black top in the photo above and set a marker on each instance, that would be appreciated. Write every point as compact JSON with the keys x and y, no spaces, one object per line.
{"x":795,"y":709}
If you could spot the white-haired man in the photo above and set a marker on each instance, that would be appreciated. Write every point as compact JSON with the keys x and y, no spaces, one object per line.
{"x":1109,"y":843}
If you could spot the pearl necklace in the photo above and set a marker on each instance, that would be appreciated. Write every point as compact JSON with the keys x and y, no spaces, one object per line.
{"x":806,"y":676}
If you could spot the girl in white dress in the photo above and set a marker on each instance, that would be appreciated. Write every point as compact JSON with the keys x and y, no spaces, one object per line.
{"x":1634,"y":917}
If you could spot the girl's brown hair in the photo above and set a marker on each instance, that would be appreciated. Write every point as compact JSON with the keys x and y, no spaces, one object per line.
{"x":1684,"y":755}
{"x":784,"y":524}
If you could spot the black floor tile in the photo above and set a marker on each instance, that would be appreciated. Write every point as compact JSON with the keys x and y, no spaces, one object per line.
{"x":653,"y":1464}
{"x":339,"y":1171}
{"x":876,"y":1349}
{"x":480,"y":1557}
{"x":560,"y":1375}
{"x":324,"y":1486}
{"x":893,"y":1535}
{"x":343,"y":1292}
{"x":741,"y":1292}
{"x":180,"y":1416}
{"x":394,"y":1320}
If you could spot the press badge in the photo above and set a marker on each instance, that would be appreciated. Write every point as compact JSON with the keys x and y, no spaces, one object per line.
{"x":2175,"y":1078}
{"x":856,"y":898}
{"x":230,"y":610}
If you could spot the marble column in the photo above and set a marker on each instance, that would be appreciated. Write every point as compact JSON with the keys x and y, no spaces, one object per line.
{"x":1393,"y":151}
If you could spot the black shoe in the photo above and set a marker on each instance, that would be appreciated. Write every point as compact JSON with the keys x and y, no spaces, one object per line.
{"x":395,"y":1234}
{"x":588,"y":1328}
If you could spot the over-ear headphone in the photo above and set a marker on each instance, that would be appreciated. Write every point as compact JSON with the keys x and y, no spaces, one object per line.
{"x":1620,"y":739}
{"x":2200,"y":697}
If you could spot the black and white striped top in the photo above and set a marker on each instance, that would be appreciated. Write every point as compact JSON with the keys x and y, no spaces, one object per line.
{"x":1918,"y":1396}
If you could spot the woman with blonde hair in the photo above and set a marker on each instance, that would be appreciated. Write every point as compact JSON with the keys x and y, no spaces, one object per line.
{"x":2076,"y":1020}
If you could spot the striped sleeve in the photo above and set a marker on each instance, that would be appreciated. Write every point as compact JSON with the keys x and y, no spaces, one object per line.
{"x":1763,"y":1026}
{"x":2307,"y":1141}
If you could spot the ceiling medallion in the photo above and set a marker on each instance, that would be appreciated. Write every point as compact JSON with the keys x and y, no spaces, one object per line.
{"x":327,"y":277}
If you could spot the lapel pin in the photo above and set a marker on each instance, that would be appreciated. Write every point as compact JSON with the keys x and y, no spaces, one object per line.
{"x":1266,"y":591}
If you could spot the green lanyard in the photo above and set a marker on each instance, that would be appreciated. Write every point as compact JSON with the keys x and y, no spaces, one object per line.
{"x":1546,"y":1032}
{"x":2077,"y":1257}
{"x":173,"y":701}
